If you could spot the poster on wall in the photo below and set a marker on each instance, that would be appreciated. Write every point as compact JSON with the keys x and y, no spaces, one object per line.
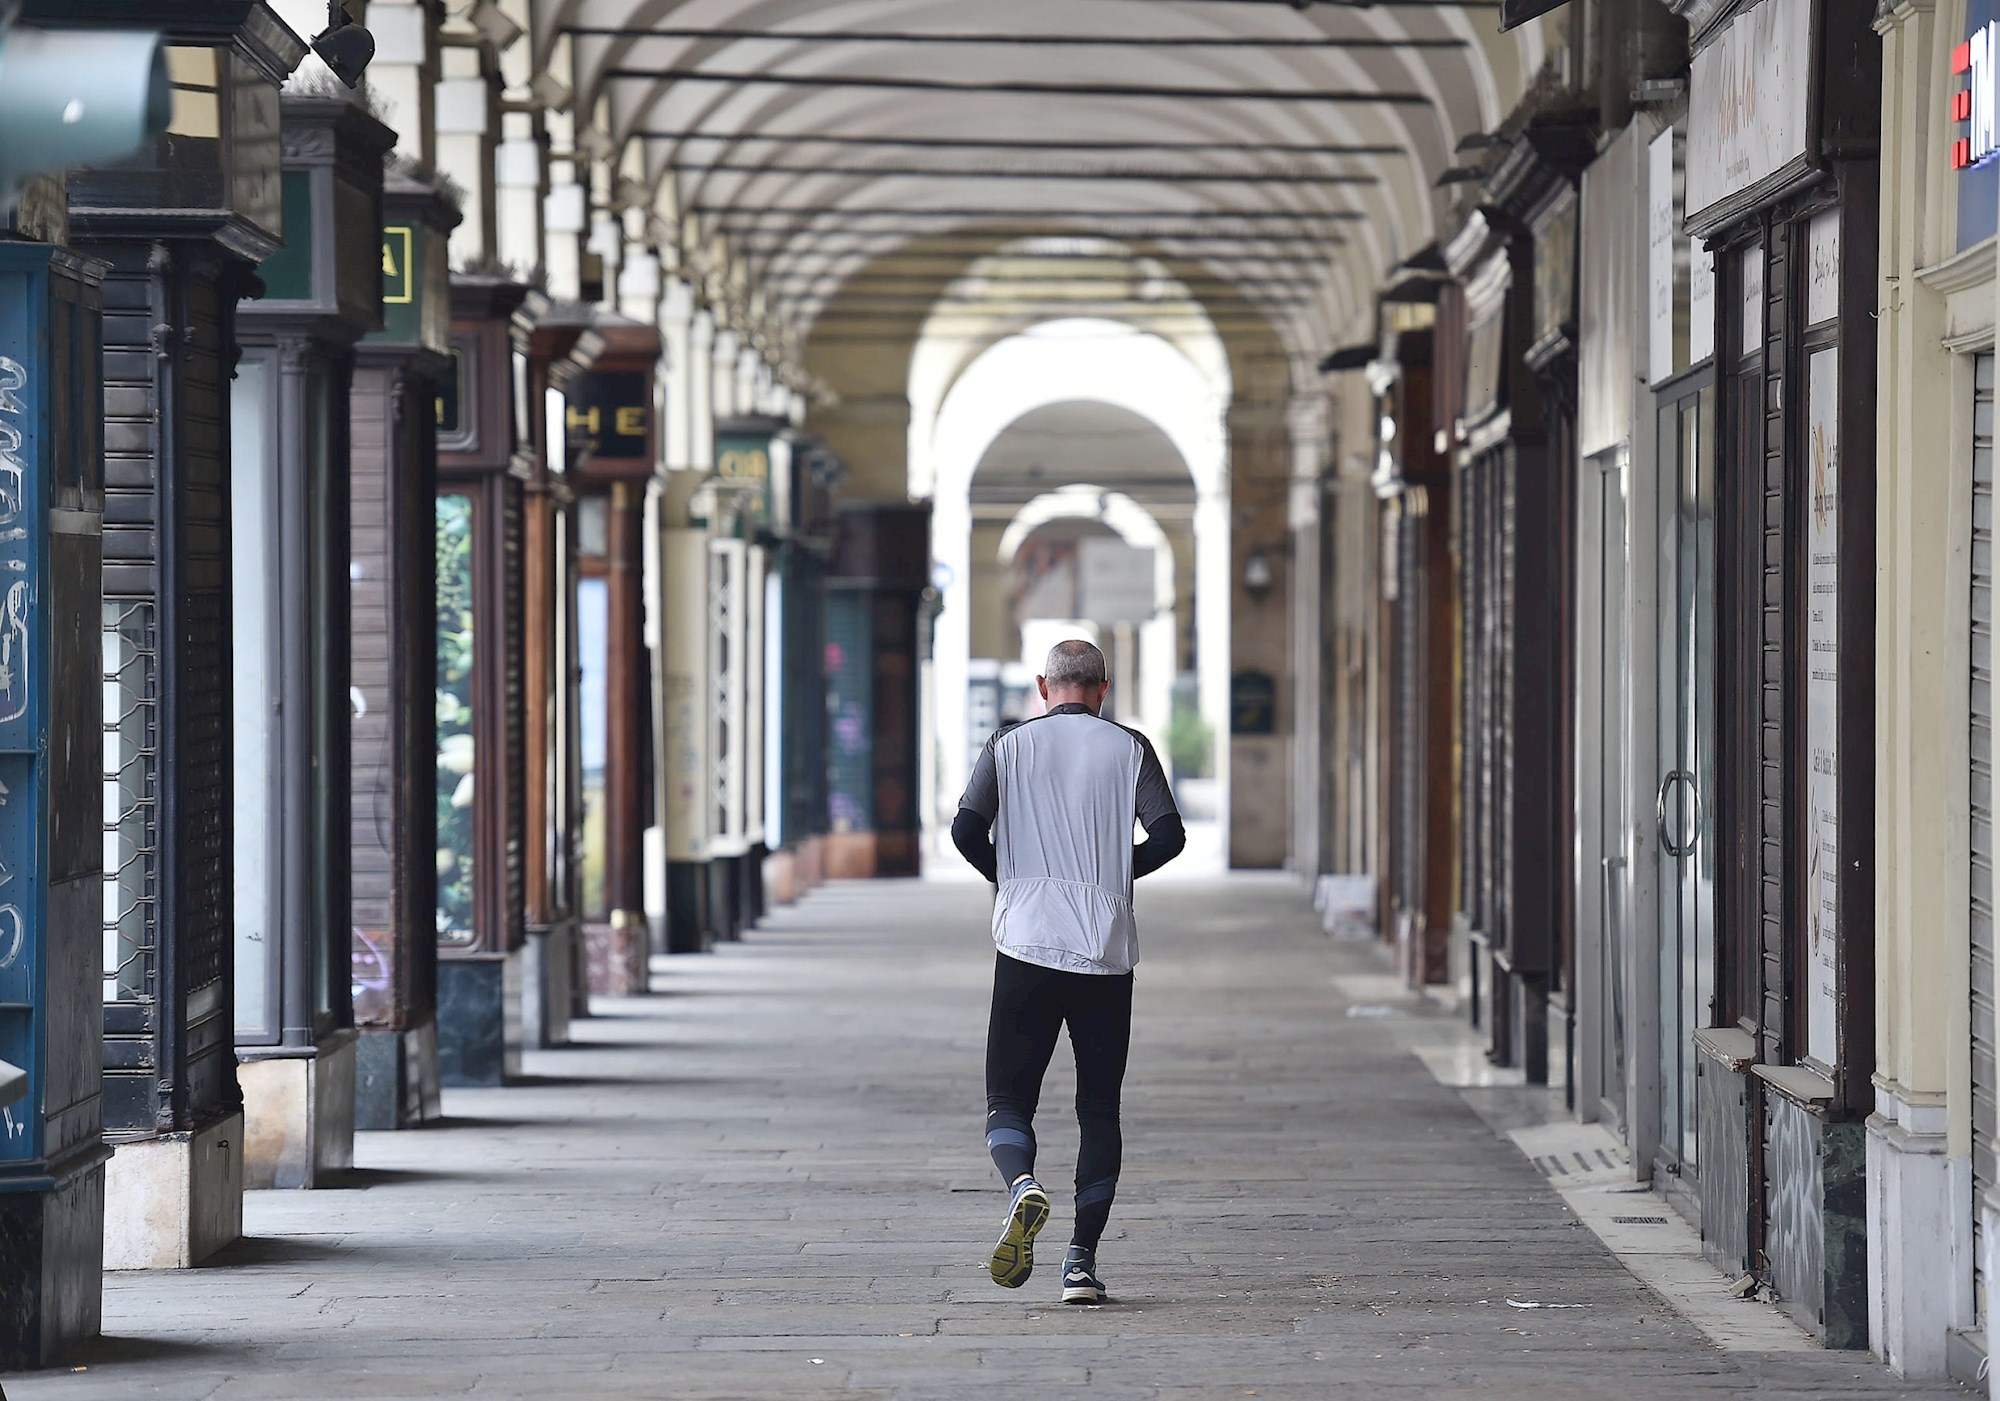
{"x":1823,"y":267}
{"x":1666,"y":284}
{"x":1820,"y":502}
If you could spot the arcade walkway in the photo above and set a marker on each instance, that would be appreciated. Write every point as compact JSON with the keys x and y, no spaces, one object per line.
{"x":768,"y":1182}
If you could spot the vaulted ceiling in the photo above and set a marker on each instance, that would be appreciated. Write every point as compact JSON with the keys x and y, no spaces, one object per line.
{"x":1281,"y":153}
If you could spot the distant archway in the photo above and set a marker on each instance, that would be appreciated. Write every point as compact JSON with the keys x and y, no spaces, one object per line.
{"x":1183,"y":388}
{"x":1138,"y":527}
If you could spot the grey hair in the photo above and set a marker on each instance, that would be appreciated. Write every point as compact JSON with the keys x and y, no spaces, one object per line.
{"x":1075,"y":663}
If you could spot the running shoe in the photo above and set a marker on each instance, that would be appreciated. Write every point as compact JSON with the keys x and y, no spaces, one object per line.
{"x":1080,"y":1282}
{"x":1014,"y":1256}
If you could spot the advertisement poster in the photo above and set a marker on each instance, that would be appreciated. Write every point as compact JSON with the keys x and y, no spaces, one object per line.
{"x":1822,"y":593}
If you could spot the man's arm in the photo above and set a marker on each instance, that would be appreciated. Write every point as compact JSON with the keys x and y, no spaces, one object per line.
{"x":976,"y":812}
{"x":1165,"y":840}
{"x":1166,"y":835}
{"x":969,"y":835}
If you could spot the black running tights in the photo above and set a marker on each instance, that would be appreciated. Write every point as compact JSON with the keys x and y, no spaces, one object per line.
{"x":1030,"y":1006}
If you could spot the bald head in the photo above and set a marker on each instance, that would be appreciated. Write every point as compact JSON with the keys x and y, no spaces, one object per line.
{"x":1075,"y":674}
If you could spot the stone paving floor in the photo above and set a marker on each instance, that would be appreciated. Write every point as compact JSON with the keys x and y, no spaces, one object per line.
{"x":768,"y":1181}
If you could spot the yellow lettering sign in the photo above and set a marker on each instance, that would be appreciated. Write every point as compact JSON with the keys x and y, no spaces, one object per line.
{"x":398,"y":280}
{"x":631,"y":423}
{"x":745,"y":465}
{"x":586,"y":419}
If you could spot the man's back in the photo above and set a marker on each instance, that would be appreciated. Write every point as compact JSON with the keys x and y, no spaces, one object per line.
{"x":1060,"y":794}
{"x":1063,"y":791}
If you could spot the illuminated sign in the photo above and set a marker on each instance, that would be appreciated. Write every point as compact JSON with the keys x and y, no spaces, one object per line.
{"x":1972,"y":105}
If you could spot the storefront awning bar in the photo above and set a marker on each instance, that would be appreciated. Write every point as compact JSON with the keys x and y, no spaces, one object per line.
{"x":1079,"y":41}
{"x":1134,"y":306}
{"x":1023,"y":87}
{"x":817,"y":257}
{"x":1197,"y":5}
{"x":1159,"y":177}
{"x":733,"y":216}
{"x":833,"y":279}
{"x":974,"y":143}
{"x":1291,"y":248}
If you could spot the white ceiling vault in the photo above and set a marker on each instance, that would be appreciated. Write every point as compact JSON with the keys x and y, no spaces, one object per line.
{"x":1280,"y":156}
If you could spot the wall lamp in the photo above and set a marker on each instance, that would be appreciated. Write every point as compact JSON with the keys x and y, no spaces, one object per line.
{"x":344,"y":46}
{"x":1258,"y":576}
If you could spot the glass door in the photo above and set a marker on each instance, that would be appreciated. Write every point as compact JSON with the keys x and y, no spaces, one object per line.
{"x":1684,"y":797}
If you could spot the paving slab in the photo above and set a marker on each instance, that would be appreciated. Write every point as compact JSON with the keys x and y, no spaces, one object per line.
{"x":767,"y":1181}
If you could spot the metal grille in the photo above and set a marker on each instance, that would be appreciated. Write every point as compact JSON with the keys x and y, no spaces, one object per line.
{"x":131,"y":801}
{"x":1984,"y":1125}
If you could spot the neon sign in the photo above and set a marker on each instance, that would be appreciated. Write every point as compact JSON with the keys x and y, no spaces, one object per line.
{"x":1973,"y":104}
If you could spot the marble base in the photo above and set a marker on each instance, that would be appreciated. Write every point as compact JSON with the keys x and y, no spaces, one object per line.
{"x":750,"y":887}
{"x":548,"y":972}
{"x":298,"y":1115}
{"x":1919,"y":1236}
{"x":1722,"y":1148}
{"x":396,"y":1082}
{"x":687,"y":908}
{"x":812,"y":865}
{"x":1989,"y":1235}
{"x":173,"y":1201}
{"x":850,"y":856}
{"x":52,"y":1267}
{"x":1816,"y":1231}
{"x":618,"y":952}
{"x":723,"y":872}
{"x":781,"y":878}
{"x":479,"y":1019}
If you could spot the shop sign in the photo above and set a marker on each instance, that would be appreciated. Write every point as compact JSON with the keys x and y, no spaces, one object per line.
{"x":609,"y":419}
{"x":745,"y":461}
{"x":1747,"y":109}
{"x":1972,"y":127}
{"x":1253,"y":703}
{"x":1820,"y":503}
{"x":1976,"y":141}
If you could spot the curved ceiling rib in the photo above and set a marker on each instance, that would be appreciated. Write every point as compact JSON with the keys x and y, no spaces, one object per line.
{"x":1279,"y":156}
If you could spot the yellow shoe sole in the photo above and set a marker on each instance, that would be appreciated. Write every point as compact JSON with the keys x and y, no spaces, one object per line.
{"x":1014,"y":1256}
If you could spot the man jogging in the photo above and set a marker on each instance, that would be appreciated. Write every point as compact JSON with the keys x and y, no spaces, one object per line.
{"x":1060,"y":794}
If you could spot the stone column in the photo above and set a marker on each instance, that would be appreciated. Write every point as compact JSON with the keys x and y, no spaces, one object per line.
{"x":403,"y":77}
{"x":1260,"y":582}
{"x":468,"y":135}
{"x":1920,"y":1138}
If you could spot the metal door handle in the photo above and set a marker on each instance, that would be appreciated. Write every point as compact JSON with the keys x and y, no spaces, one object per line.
{"x":1667,"y":843}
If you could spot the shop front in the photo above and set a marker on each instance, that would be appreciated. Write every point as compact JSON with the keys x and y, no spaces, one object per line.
{"x":408,"y":394}
{"x":180,"y":228}
{"x":290,"y":468}
{"x":1781,"y":186}
{"x":480,"y":810}
{"x":608,"y":383}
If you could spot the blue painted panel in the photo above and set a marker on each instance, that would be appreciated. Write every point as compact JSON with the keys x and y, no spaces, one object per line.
{"x":27,"y":444}
{"x":1979,"y":187}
